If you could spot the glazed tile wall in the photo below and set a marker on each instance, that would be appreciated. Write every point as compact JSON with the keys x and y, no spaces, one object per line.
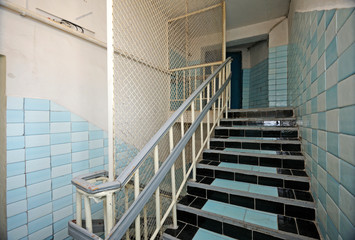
{"x":47,"y":146}
{"x":278,"y":76}
{"x":245,"y":92}
{"x":321,"y":86}
{"x":259,"y":89}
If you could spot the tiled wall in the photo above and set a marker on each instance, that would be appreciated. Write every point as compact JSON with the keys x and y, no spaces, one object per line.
{"x":321,"y":86}
{"x":258,"y":85}
{"x":46,"y":147}
{"x":278,"y":76}
{"x":245,"y":92}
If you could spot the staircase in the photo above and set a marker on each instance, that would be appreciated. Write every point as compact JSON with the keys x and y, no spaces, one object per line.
{"x":251,"y":183}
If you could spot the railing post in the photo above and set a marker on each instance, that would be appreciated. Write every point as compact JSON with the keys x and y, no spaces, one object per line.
{"x":208,"y":117}
{"x":126,"y":207}
{"x":109,"y":208}
{"x":157,"y":192}
{"x":201,"y":124}
{"x":145,"y":218}
{"x":214,"y":82}
{"x":183,"y":151}
{"x":219,"y":98}
{"x":173,"y":183}
{"x":193,"y":142}
{"x":136,"y":193}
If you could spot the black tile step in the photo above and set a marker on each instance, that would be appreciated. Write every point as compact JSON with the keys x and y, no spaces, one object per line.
{"x":275,"y":144}
{"x":282,"y":160}
{"x":275,"y":122}
{"x":287,"y":178}
{"x":287,"y":227}
{"x":256,"y":131}
{"x":262,"y":201}
{"x":261,"y":112}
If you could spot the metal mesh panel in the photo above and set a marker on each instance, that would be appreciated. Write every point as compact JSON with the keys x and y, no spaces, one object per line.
{"x":151,"y":39}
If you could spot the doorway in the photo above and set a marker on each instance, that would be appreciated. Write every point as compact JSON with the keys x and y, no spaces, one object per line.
{"x":237,"y":80}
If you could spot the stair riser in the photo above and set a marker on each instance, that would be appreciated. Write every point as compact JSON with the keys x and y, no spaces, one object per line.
{"x":249,"y":178}
{"x":254,"y":203}
{"x":253,"y":160}
{"x":258,"y":114}
{"x":255,"y":146}
{"x":256,"y":133}
{"x":280,"y":123}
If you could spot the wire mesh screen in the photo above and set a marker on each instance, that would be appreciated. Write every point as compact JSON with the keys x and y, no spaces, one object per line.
{"x":152,"y":40}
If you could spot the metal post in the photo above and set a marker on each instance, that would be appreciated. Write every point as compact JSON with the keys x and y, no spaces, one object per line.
{"x":173,"y":184}
{"x":193,"y":142}
{"x":110,"y":211}
{"x":88,"y":218}
{"x":157,"y":192}
{"x":136,"y":193}
{"x":183,"y":151}
{"x":126,"y":207}
{"x":208,"y":117}
{"x":78,"y":209}
{"x":201,"y":124}
{"x":145,"y":222}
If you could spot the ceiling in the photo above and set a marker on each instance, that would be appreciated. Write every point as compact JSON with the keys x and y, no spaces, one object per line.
{"x":246,"y":12}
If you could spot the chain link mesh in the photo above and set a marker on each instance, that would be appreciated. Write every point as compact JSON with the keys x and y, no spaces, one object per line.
{"x":152,"y":40}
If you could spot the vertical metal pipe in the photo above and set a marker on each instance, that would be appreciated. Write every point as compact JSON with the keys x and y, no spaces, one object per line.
{"x":136,"y":193}
{"x":110,"y":211}
{"x":145,"y":222}
{"x":193,"y":142}
{"x":157,"y":192}
{"x":78,"y":209}
{"x":126,"y":207}
{"x":201,"y":124}
{"x":88,"y":217}
{"x":183,"y":151}
{"x":208,"y":117}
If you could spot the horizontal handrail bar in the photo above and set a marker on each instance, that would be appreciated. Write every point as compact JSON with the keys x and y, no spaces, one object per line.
{"x":137,"y":206}
{"x":130,"y":169}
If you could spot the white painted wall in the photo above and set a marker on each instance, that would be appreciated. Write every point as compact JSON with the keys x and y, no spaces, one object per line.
{"x":258,"y":53}
{"x":279,"y":35}
{"x":43,"y":62}
{"x":307,"y":6}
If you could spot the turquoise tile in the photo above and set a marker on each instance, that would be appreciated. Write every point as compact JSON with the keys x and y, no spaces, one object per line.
{"x":314,"y":41}
{"x":37,"y":140}
{"x":346,"y":63}
{"x":80,"y":126}
{"x":343,"y":15}
{"x":39,"y":223}
{"x":322,"y":121}
{"x":235,"y":166}
{"x":329,"y":14}
{"x":61,"y":181}
{"x":264,"y":190}
{"x":16,"y":221}
{"x":94,"y":153}
{"x":322,"y":158}
{"x":36,"y":128}
{"x":59,"y":160}
{"x":13,"y":143}
{"x":347,"y":176}
{"x":15,"y":129}
{"x":224,"y":209}
{"x":59,"y":138}
{"x":203,"y":234}
{"x":314,"y":105}
{"x":93,"y":135}
{"x":60,"y":117}
{"x":39,"y":176}
{"x":37,"y":152}
{"x":14,"y":169}
{"x":16,"y":195}
{"x":241,"y":186}
{"x":264,"y":219}
{"x":36,"y":104}
{"x":321,"y":46}
{"x":39,"y":200}
{"x":61,"y":224}
{"x":62,"y":202}
{"x":346,"y":120}
{"x":331,"y":229}
{"x":265,"y":169}
{"x":333,"y":188}
{"x":314,"y":73}
{"x":36,"y":116}
{"x":331,"y":53}
{"x":60,"y":127}
{"x":322,"y":195}
{"x":315,"y":136}
{"x":332,"y":143}
{"x":347,"y":230}
{"x":14,"y":116}
{"x":249,"y":151}
{"x":14,"y":103}
{"x":80,"y":146}
{"x":319,"y":16}
{"x":80,"y":166}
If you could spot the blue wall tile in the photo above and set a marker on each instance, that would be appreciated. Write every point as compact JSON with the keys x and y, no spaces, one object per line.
{"x":58,"y":138}
{"x":80,"y":126}
{"x":39,"y":223}
{"x":36,"y":116}
{"x":80,"y":146}
{"x":16,"y":195}
{"x":15,"y":129}
{"x":39,"y":176}
{"x":347,"y":177}
{"x":13,"y":143}
{"x":16,"y":221}
{"x":332,"y":97}
{"x":36,"y":104}
{"x":329,"y":16}
{"x":346,"y":63}
{"x":14,"y":103}
{"x":331,"y":53}
{"x":59,"y":160}
{"x":61,"y":181}
{"x":333,"y":189}
{"x":14,"y":169}
{"x":37,"y":152}
{"x":36,"y":128}
{"x":332,"y":143}
{"x":346,"y":120}
{"x":39,"y":200}
{"x":60,"y":117}
{"x":14,"y":116}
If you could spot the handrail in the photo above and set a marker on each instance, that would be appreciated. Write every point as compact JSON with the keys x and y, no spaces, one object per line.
{"x":81,"y":183}
{"x":137,"y":206}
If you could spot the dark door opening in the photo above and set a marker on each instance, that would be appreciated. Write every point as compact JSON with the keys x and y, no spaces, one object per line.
{"x":237,"y":80}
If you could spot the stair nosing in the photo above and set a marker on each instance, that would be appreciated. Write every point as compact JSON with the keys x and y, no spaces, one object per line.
{"x":262,"y":174}
{"x":292,"y":157}
{"x":246,"y":119}
{"x":239,"y":223}
{"x":260,"y":109}
{"x":264,"y":128}
{"x":294,"y":202}
{"x":257,"y":140}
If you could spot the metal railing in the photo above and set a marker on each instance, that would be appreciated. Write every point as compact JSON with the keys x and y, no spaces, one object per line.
{"x":148,"y":198}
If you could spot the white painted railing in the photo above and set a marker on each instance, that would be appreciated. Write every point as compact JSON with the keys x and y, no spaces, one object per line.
{"x":148,"y":198}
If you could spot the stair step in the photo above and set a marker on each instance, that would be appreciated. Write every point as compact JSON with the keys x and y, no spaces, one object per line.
{"x":255,"y":143}
{"x":281,"y":160}
{"x":281,"y":122}
{"x":243,"y":223}
{"x":256,"y":131}
{"x":261,"y":112}
{"x":268,"y":176}
{"x":258,"y":197}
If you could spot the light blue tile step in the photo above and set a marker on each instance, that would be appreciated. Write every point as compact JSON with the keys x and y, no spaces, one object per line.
{"x":237,"y":153}
{"x":248,"y":167}
{"x":258,"y":139}
{"x":203,"y":234}
{"x":267,"y":128}
{"x":251,"y":151}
